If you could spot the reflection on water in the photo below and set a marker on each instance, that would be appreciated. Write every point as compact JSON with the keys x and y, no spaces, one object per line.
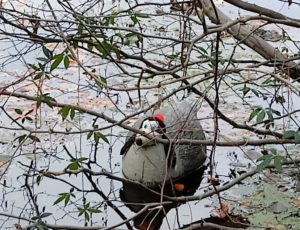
{"x":136,"y":197}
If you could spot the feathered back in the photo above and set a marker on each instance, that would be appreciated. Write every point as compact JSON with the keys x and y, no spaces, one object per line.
{"x":182,"y":123}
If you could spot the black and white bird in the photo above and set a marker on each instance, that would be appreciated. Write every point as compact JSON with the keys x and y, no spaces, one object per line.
{"x":152,"y":163}
{"x":148,"y":161}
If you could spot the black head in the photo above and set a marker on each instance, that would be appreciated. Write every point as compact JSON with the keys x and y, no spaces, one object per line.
{"x":152,"y":126}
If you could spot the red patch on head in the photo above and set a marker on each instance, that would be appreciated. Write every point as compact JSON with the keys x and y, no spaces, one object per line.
{"x":159,"y":117}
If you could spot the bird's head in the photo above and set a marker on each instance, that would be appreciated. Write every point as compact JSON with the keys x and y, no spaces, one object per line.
{"x":153,"y":127}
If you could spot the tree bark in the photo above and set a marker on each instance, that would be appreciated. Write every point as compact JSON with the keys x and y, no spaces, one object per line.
{"x":244,"y":33}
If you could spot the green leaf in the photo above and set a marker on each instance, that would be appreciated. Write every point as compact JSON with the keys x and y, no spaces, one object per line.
{"x":104,"y":49}
{"x":245,"y":90}
{"x":96,"y":138}
{"x":117,"y":52}
{"x":92,"y":210}
{"x":90,"y":45}
{"x":19,"y":111}
{"x":34,"y":138}
{"x":107,"y":47}
{"x":42,"y":66}
{"x":75,"y":44}
{"x":284,"y":49}
{"x":47,"y":52}
{"x":202,"y":50}
{"x":87,"y":216}
{"x":289,"y":134}
{"x":255,"y":92}
{"x":81,"y":211}
{"x":60,"y":199}
{"x":66,"y":62}
{"x":21,"y":138}
{"x":58,"y":58}
{"x":103,"y":79}
{"x":266,"y":160}
{"x":46,"y":214}
{"x":100,"y":49}
{"x":297,"y":137}
{"x":271,"y":80}
{"x":142,"y":15}
{"x":254,"y":113}
{"x":72,"y":114}
{"x":64,"y":111}
{"x":67,"y":199}
{"x":130,"y":34}
{"x":276,"y":112}
{"x":89,"y":135}
{"x":101,"y":83}
{"x":270,"y":115}
{"x":38,"y":75}
{"x":98,"y":135}
{"x":42,"y":59}
{"x":46,"y":99}
{"x":81,"y":159}
{"x":73,"y":166}
{"x":34,"y":67}
{"x":260,"y":117}
{"x":277,"y":163}
{"x":41,"y":227}
{"x":134,"y":19}
{"x":80,"y":29}
{"x":273,"y":151}
{"x":35,"y":217}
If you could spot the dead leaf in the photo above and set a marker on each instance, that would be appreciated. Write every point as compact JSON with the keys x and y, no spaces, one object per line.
{"x":220,"y":213}
{"x":157,"y":104}
{"x":246,"y":203}
{"x":297,"y":201}
{"x":277,"y":227}
{"x":3,"y":164}
{"x":131,"y":120}
{"x":160,"y":11}
{"x":73,"y":63}
{"x":93,"y":103}
{"x":18,"y":227}
{"x":213,"y":180}
{"x":225,"y":138}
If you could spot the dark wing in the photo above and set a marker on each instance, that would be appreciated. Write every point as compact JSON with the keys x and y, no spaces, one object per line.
{"x":127,"y":145}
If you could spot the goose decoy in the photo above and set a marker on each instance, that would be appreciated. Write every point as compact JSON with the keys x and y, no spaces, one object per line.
{"x":147,"y":161}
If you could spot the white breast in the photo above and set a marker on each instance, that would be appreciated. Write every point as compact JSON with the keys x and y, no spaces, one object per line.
{"x":145,"y":164}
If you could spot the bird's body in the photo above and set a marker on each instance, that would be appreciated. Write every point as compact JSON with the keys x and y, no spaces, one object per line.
{"x":151,"y":168}
{"x":147,"y":163}
{"x":179,"y":167}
